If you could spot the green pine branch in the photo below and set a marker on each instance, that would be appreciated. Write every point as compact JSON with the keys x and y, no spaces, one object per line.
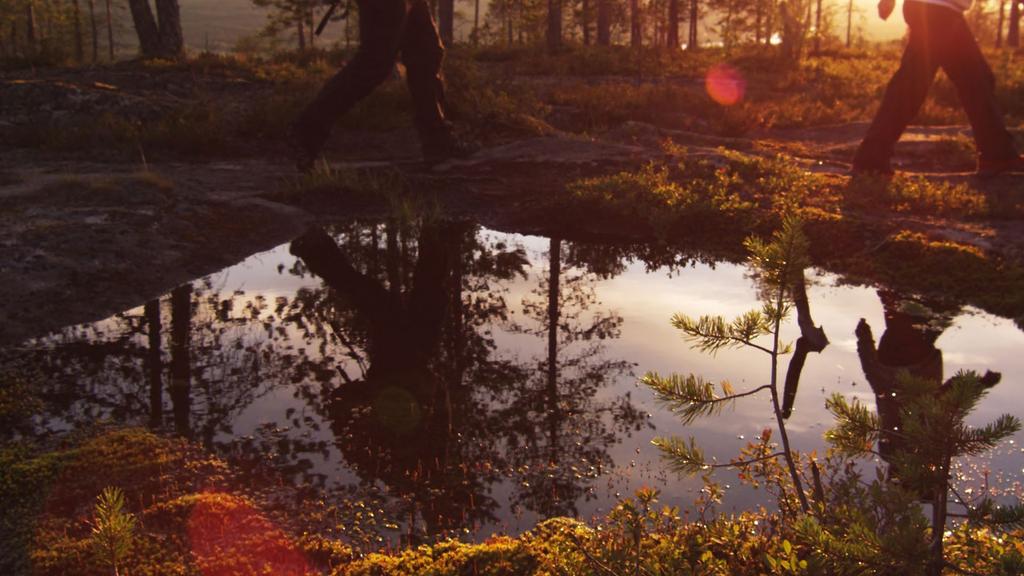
{"x":691,"y":397}
{"x":975,"y":441}
{"x":857,"y":427}
{"x":683,"y":457}
{"x":712,"y":333}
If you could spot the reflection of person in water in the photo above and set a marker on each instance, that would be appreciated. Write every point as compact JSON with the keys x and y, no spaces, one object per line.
{"x":398,"y":421}
{"x":907,"y":347}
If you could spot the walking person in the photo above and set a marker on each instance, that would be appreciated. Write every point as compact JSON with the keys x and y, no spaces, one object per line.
{"x":939,"y":38}
{"x":389,"y":30}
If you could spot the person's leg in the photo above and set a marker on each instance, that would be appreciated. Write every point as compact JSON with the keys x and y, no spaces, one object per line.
{"x":904,"y":95}
{"x":966,"y":67}
{"x":422,"y":52}
{"x":381,"y":26}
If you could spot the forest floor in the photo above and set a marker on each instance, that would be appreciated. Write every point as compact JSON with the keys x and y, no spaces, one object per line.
{"x":114,"y":191}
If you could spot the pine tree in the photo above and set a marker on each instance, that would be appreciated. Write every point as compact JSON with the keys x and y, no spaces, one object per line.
{"x":922,"y":440}
{"x":779,"y":269}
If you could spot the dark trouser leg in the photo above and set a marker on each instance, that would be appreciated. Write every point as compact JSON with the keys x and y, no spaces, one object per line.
{"x":975,"y":83}
{"x":905,"y":93}
{"x":381,"y":27}
{"x":422,"y":54}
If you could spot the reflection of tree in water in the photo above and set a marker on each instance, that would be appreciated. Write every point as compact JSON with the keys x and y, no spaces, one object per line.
{"x":907,"y":346}
{"x":189,"y":361}
{"x":559,"y":429}
{"x":395,"y":350}
{"x":418,"y":418}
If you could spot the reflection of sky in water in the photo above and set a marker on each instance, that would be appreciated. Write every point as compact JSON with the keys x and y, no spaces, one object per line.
{"x":646,"y":300}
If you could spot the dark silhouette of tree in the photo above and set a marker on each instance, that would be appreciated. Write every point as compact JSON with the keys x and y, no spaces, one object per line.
{"x":159,"y":36}
{"x":604,"y":23}
{"x":560,"y":431}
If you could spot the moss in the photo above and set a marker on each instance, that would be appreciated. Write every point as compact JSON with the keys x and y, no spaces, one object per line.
{"x":958,"y":272}
{"x":918,"y":195}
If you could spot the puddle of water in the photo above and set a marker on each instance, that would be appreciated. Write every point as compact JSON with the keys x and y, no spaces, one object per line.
{"x":469,"y":380}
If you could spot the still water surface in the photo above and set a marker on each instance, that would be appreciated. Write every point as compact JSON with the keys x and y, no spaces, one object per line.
{"x":474,"y":381}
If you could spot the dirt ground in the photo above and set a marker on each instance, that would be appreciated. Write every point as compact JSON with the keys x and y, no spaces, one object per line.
{"x":83,"y":239}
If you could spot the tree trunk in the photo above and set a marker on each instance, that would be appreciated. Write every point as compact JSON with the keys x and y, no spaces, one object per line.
{"x":849,"y":24}
{"x":476,"y":22}
{"x":691,"y":43}
{"x":758,"y":18}
{"x":554,"y":36}
{"x":817,"y":30}
{"x":604,"y":23}
{"x":172,"y":42}
{"x":300,"y":32}
{"x":14,"y":38}
{"x":672,"y":35}
{"x":508,"y":22}
{"x":30,"y":27}
{"x":635,"y":39}
{"x":312,"y":27}
{"x":145,"y":27}
{"x":1013,"y":33}
{"x":110,"y":31}
{"x":76,"y":13}
{"x":95,"y":31}
{"x":769,"y":21}
{"x":999,"y":23}
{"x":446,"y":21}
{"x":585,"y":17}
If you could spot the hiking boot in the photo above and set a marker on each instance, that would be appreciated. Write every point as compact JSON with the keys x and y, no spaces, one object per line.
{"x":302,"y":151}
{"x":990,"y":168}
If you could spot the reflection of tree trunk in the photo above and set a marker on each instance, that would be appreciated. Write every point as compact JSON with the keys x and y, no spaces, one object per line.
{"x":554,"y":277}
{"x":154,"y":366}
{"x":181,"y":363}
{"x":393,"y":259}
{"x":812,"y":339}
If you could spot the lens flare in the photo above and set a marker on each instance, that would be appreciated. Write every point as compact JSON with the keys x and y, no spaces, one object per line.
{"x":725,"y":84}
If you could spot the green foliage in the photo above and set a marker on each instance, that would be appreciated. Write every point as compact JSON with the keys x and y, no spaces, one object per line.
{"x":931,"y":433}
{"x":777,"y":265}
{"x":682,"y":456}
{"x":856,"y":429}
{"x":113,"y":528}
{"x":697,"y":197}
{"x":688,"y":397}
{"x":712,"y":333}
{"x":920,"y":195}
